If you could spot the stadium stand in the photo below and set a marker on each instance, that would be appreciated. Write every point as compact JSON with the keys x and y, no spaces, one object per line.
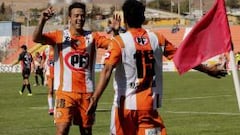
{"x":235,"y":33}
{"x":14,"y":48}
{"x":175,"y":38}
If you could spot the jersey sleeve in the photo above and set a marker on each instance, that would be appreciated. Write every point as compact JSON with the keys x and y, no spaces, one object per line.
{"x":113,"y":55}
{"x":101,"y":40}
{"x":169,"y":48}
{"x":51,"y":38}
{"x":20,"y":57}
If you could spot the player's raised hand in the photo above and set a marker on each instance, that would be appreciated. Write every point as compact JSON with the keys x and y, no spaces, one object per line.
{"x":116,"y":24}
{"x":48,"y":13}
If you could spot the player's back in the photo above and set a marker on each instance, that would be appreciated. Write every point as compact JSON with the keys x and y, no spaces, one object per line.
{"x":139,"y":70}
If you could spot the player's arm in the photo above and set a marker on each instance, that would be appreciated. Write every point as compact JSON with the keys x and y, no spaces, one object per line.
{"x":112,"y":57}
{"x":102,"y":84}
{"x":116,"y":24}
{"x":211,"y":71}
{"x":170,"y":49}
{"x":38,"y":36}
{"x":20,"y":57}
{"x":103,"y":41}
{"x":15,"y":63}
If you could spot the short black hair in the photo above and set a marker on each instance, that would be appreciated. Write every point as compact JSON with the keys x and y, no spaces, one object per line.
{"x":76,"y":5}
{"x":133,"y":13}
{"x":24,"y":47}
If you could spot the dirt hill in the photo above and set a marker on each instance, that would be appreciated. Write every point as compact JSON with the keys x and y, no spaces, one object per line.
{"x":26,"y":4}
{"x":23,"y":5}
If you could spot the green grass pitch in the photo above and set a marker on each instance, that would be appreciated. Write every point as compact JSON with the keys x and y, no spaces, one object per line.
{"x":193,"y":104}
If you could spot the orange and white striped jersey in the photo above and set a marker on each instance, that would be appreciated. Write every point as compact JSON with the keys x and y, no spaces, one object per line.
{"x":48,"y":57}
{"x":137,"y":56}
{"x":75,"y":59}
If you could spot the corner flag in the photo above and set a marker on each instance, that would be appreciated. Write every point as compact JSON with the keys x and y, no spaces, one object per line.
{"x":209,"y":37}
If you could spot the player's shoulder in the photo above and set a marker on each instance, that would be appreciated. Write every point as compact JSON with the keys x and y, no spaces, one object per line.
{"x":117,"y":40}
{"x":54,"y":32}
{"x":97,"y":34}
{"x":22,"y":53}
{"x":52,"y":36}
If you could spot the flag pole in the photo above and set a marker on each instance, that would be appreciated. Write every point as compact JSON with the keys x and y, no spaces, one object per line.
{"x":235,"y":75}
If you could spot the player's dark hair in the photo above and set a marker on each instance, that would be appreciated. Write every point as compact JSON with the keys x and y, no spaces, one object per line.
{"x":133,"y":13}
{"x":24,"y":47}
{"x":76,"y":5}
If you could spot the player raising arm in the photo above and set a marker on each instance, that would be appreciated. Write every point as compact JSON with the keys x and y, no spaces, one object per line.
{"x":75,"y":51}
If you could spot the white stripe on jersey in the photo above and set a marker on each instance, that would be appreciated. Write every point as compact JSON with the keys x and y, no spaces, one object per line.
{"x":113,"y":124}
{"x":67,"y":72}
{"x":57,"y":67}
{"x":89,"y":74}
{"x":130,"y":70}
{"x":157,"y":68}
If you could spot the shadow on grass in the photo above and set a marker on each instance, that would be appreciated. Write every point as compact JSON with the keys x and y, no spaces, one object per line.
{"x":103,"y":110}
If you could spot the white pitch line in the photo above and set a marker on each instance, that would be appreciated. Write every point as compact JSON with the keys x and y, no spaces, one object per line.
{"x":103,"y":110}
{"x":39,"y":108}
{"x":45,"y":108}
{"x":106,"y":103}
{"x":204,"y":97}
{"x":204,"y":113}
{"x":174,"y":112}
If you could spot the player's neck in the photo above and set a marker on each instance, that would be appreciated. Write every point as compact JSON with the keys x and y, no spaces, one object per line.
{"x":134,"y":29}
{"x":76,"y":32}
{"x":129,"y":27}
